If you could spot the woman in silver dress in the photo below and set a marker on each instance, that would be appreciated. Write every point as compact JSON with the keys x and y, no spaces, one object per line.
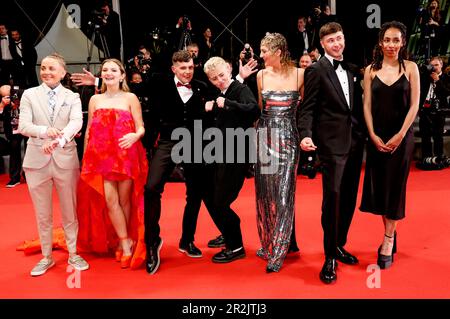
{"x":279,"y":90}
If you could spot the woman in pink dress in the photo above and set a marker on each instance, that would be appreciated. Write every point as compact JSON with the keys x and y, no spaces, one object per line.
{"x":114,"y":171}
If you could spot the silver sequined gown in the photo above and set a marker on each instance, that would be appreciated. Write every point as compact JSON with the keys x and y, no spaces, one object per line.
{"x":275,"y":174}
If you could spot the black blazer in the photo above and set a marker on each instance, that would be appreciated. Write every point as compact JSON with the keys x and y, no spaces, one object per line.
{"x":324,"y":113}
{"x":240,"y":108}
{"x":297,"y":44}
{"x":168,"y":109}
{"x":240,"y":111}
{"x":12,"y":49}
{"x":442,"y":89}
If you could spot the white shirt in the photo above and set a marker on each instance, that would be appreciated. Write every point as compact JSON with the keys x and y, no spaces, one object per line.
{"x":184,"y":92}
{"x":19,"y":48}
{"x":431,"y":89}
{"x":225,"y":91}
{"x":343,"y":79}
{"x":6,"y":54}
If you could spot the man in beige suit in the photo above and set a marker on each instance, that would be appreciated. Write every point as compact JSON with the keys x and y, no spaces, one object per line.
{"x":51,"y":116}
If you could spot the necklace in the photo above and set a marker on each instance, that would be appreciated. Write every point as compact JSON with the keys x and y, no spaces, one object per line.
{"x":111,"y":96}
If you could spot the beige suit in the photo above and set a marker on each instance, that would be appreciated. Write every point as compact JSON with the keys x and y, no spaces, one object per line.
{"x":61,"y":168}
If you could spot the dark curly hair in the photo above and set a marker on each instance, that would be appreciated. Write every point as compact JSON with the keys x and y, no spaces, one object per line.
{"x":378,"y":53}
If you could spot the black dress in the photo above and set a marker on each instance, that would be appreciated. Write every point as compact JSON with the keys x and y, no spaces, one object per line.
{"x":386,"y":174}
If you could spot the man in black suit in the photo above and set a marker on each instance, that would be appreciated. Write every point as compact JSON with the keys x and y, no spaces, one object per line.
{"x":111,"y":30}
{"x":332,"y":116}
{"x":178,"y":102}
{"x":235,"y":110}
{"x":26,"y":57}
{"x":300,"y":40}
{"x":8,"y":58}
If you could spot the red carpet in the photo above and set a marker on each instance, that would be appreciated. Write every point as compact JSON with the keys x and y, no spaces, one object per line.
{"x":420,"y":270}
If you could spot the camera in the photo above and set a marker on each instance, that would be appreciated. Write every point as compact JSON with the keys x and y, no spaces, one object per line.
{"x":184,"y":23}
{"x":97,"y":19}
{"x":430,"y":69}
{"x":248,"y":53}
{"x":143,"y":61}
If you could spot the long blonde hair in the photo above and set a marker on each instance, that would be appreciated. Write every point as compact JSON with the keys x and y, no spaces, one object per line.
{"x":123,"y":84}
{"x":275,"y":41}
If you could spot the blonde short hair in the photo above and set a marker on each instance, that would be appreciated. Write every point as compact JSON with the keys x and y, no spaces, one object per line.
{"x":59,"y":58}
{"x":213,"y":63}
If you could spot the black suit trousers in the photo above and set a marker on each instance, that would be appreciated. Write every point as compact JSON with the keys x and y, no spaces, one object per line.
{"x":198,"y":187}
{"x":228,"y":180}
{"x":161,"y":167}
{"x":340,"y":180}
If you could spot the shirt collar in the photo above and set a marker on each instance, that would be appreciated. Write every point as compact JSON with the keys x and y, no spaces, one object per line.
{"x":225,"y":91}
{"x":330,"y":58}
{"x":48,"y":89}
{"x":176,"y":80}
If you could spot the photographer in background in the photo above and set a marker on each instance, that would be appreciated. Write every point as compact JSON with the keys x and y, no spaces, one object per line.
{"x":435,"y":89}
{"x":10,"y":103}
{"x":142,"y":62}
{"x":199,"y":74}
{"x":111,"y":30}
{"x":247,"y":66}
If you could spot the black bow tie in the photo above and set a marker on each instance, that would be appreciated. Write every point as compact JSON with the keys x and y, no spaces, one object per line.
{"x":4,"y":37}
{"x":189,"y":86}
{"x":342,"y":63}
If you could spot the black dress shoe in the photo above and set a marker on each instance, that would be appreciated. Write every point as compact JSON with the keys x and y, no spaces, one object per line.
{"x":328,"y":272}
{"x":153,"y":260}
{"x":228,"y":255}
{"x":217,"y":242}
{"x":190,"y":250}
{"x":344,"y":256}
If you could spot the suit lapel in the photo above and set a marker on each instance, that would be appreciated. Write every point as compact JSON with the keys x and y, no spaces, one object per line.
{"x":43,"y":102}
{"x":351,"y":88}
{"x":334,"y":79}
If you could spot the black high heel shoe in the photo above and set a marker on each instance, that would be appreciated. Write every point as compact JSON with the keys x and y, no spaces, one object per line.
{"x":394,"y":249}
{"x":384,"y":261}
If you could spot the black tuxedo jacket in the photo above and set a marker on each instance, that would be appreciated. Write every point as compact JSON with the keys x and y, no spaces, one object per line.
{"x":29,"y":54}
{"x":240,"y":111}
{"x":240,"y":108}
{"x":325,"y":115}
{"x":297,"y":43}
{"x":170,"y":112}
{"x":12,"y":49}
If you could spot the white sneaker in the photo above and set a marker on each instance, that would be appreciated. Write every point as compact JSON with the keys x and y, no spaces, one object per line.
{"x":42,"y":266}
{"x":77,"y":262}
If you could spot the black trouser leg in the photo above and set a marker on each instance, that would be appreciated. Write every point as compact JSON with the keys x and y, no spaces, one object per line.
{"x":228,"y":181}
{"x":349,"y":192}
{"x":160,"y":169}
{"x":15,"y":157}
{"x":333,"y":170}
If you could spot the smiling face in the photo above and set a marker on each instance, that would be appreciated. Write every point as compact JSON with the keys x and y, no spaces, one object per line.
{"x":184,"y":71}
{"x":52,"y":72}
{"x":305,"y":61}
{"x":334,"y":44}
{"x":392,"y":42}
{"x":112,"y":74}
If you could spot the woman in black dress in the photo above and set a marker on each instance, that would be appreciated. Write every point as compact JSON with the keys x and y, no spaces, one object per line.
{"x":391,"y":102}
